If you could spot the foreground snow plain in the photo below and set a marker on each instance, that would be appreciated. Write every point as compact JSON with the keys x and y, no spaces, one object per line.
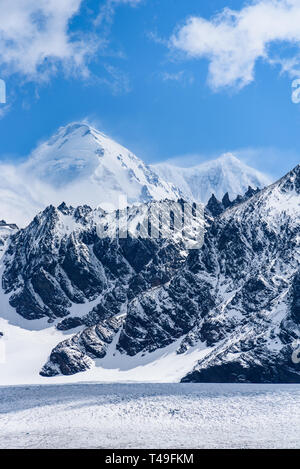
{"x":87,"y":415}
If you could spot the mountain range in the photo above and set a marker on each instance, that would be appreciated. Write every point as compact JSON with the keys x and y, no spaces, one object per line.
{"x":80,"y":165}
{"x":148,"y":308}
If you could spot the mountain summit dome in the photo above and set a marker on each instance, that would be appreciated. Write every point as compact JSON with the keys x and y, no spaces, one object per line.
{"x":89,"y":167}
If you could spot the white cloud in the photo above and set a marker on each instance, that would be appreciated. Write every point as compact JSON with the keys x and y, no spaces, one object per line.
{"x":35,"y":38}
{"x":233,"y":41}
{"x":119,"y":81}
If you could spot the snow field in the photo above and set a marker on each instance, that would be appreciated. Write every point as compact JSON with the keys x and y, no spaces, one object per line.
{"x":150,"y":416}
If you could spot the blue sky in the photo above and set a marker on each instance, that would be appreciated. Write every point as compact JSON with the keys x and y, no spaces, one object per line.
{"x":165,"y":86}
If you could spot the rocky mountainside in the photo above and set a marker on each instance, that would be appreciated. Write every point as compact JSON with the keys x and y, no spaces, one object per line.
{"x":244,"y":286}
{"x":224,"y":174}
{"x":61,"y":259}
{"x":76,"y":267}
{"x":236,"y":299}
{"x":255,"y":276}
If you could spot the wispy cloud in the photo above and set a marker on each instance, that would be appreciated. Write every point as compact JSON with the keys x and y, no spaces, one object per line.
{"x":108,"y":9}
{"x":118,"y":81}
{"x":181,"y":77}
{"x":39,"y":39}
{"x":35,"y":39}
{"x":273,"y":161}
{"x":233,"y":40}
{"x":4,"y":110}
{"x":296,"y":91}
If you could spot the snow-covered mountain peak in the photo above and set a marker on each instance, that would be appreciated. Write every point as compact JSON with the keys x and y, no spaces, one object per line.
{"x":291,"y":182}
{"x":89,"y":167}
{"x":224,"y":159}
{"x":79,"y":165}
{"x":273,"y":206}
{"x":224,"y":174}
{"x":228,"y":156}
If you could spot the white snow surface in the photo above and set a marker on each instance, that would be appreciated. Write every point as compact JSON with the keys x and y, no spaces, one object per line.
{"x":150,"y":416}
{"x":224,"y":174}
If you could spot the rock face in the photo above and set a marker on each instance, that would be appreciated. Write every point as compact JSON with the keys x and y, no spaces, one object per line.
{"x":253,"y":258}
{"x":215,"y":207}
{"x":59,"y":261}
{"x":74,"y":355}
{"x":238,"y":296}
{"x":74,"y":267}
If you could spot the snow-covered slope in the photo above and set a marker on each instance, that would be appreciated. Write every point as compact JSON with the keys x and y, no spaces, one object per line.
{"x":85,"y":166}
{"x":79,"y":165}
{"x":225,"y":174}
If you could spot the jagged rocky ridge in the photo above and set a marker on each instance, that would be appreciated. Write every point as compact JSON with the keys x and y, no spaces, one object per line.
{"x":238,"y":296}
{"x":215,"y":207}
{"x":59,"y":260}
